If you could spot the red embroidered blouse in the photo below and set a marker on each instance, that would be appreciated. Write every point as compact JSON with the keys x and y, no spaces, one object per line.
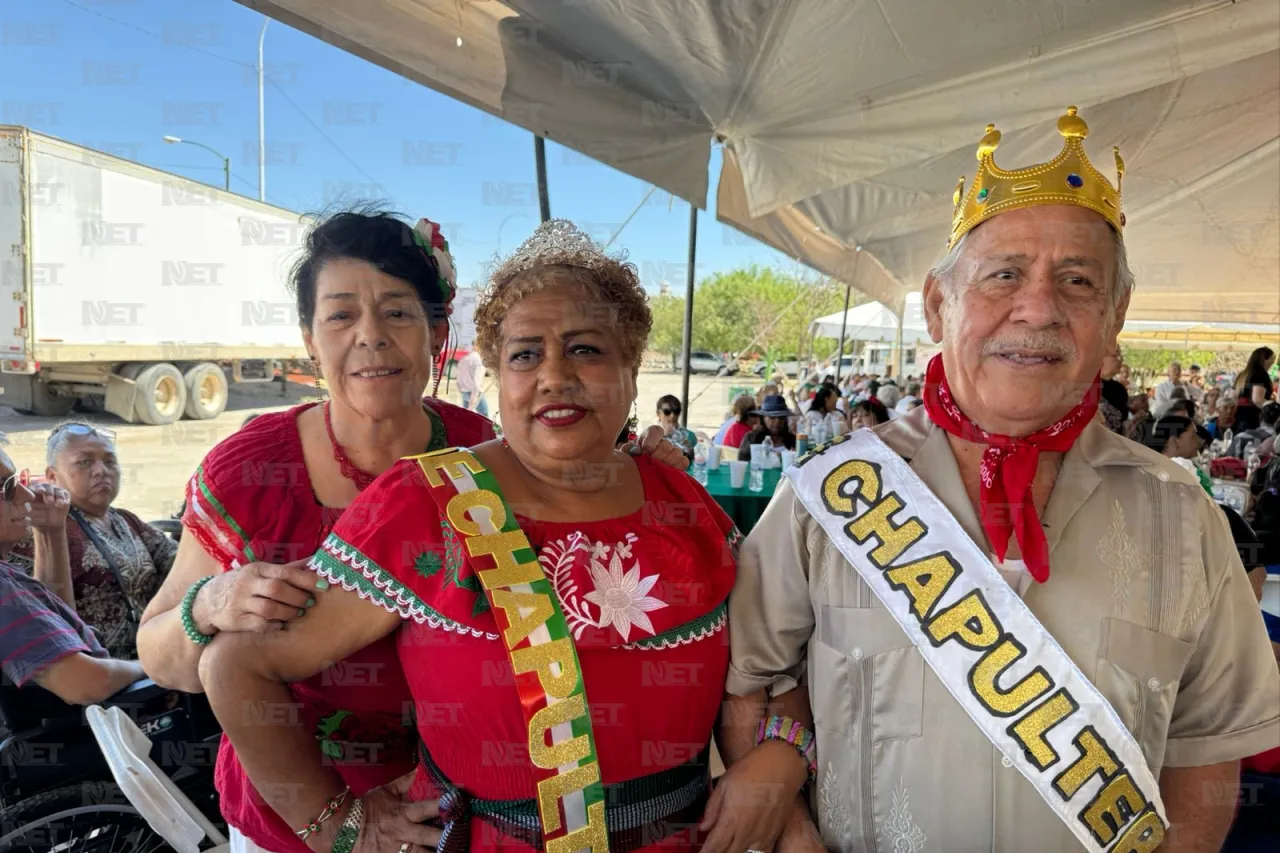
{"x":251,"y":500}
{"x":643,"y":595}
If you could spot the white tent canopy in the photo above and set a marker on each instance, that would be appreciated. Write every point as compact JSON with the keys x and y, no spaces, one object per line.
{"x":847,"y":123}
{"x":875,"y":323}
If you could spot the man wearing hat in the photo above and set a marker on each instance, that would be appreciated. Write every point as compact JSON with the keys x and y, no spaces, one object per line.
{"x":993,"y":624}
{"x":775,"y":424}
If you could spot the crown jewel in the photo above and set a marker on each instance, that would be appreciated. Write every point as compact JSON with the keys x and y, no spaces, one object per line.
{"x":1068,"y":178}
{"x":556,"y":242}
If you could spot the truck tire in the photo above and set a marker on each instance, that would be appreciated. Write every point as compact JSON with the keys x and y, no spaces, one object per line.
{"x":162,"y":395}
{"x":46,"y":404}
{"x":206,"y":391}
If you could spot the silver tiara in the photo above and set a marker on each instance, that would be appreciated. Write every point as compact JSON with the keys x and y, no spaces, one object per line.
{"x":556,"y":242}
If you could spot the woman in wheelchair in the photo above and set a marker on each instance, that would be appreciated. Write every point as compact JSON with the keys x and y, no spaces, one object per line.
{"x":116,"y":560}
{"x":42,"y":640}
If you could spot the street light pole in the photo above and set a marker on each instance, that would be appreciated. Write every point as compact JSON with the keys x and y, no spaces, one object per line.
{"x":262,"y":118}
{"x":226,"y":161}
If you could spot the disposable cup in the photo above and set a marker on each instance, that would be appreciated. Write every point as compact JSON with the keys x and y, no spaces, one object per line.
{"x":713,"y":457}
{"x":788,"y":459}
{"x":737,"y":474}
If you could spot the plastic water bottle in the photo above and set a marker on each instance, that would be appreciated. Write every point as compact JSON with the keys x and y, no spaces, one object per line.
{"x":759,"y":458}
{"x":700,"y":462}
{"x":769,"y":451}
{"x":1252,"y":460}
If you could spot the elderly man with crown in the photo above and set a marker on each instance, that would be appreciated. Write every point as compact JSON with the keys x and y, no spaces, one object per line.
{"x":993,"y":624}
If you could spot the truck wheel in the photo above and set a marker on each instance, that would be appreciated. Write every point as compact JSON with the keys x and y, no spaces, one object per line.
{"x":162,"y":395}
{"x":46,"y":404}
{"x":206,"y":391}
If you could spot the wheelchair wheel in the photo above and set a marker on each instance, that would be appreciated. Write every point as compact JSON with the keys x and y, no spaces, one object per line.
{"x":92,"y":817}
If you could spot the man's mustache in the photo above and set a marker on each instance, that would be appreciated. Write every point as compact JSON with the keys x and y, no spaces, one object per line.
{"x":1044,"y":343}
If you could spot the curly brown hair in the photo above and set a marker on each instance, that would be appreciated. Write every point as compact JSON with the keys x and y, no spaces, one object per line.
{"x":616,"y":284}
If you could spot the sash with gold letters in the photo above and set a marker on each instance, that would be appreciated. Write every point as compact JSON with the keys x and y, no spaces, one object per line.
{"x":549,"y":680}
{"x":983,"y":643}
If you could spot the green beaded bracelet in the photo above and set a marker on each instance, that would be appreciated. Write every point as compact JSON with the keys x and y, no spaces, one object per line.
{"x":350,"y":831}
{"x":189,"y":622}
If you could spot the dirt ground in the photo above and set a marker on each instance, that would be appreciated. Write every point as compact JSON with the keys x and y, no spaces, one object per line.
{"x":157,"y":461}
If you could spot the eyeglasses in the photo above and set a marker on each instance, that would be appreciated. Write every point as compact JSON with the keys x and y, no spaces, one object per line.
{"x":82,"y":430}
{"x":13,"y":481}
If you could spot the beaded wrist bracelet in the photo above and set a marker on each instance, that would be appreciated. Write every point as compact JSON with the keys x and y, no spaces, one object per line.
{"x":789,"y":731}
{"x":188,"y":621}
{"x":350,"y":831}
{"x":330,"y":809}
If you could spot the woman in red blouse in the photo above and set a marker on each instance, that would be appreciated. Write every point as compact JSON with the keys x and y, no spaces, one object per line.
{"x":373,"y":298}
{"x":635,"y":560}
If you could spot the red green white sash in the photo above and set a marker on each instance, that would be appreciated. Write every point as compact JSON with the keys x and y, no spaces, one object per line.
{"x":547,"y":674}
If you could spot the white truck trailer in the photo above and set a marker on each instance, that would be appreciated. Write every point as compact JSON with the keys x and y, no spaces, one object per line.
{"x":137,"y":289}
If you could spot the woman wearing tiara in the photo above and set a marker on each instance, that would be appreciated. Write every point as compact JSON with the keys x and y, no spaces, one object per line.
{"x":373,"y":297}
{"x":558,"y":606}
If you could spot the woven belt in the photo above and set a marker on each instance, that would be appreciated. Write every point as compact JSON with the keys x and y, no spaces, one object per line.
{"x":638,"y":812}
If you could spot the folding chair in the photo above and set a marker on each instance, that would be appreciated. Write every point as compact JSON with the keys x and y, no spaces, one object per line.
{"x":166,"y":809}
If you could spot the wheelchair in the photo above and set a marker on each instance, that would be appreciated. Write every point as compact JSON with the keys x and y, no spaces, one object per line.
{"x":58,"y":791}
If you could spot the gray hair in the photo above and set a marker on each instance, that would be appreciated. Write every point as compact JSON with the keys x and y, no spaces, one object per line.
{"x":60,"y":435}
{"x":1123,"y":280}
{"x":889,"y":395}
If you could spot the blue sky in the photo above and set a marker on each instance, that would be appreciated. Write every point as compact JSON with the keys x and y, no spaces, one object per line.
{"x":121,"y":74}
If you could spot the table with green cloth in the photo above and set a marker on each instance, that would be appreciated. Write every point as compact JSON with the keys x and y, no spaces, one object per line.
{"x":742,"y":505}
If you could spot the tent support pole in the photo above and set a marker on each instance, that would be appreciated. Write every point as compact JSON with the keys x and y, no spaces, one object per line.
{"x":687,"y":345}
{"x":897,"y":345}
{"x":540,"y":158}
{"x":844,"y":321}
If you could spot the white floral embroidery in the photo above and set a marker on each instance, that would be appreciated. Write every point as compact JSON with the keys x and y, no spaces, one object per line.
{"x":902,"y":831}
{"x":1121,"y":555}
{"x":557,"y":560}
{"x":831,"y":799}
{"x":622,"y":596}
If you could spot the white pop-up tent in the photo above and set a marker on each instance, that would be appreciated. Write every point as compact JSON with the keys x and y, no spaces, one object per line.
{"x":875,"y":322}
{"x":847,"y":123}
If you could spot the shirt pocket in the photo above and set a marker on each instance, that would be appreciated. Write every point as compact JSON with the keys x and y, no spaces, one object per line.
{"x":866,"y":670}
{"x":1139,"y":672}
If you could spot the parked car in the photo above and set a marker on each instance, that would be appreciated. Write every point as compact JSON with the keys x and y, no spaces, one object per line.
{"x":789,"y":366}
{"x":702,"y":361}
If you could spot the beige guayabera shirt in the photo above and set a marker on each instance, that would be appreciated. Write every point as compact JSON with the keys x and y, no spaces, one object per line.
{"x":1147,"y":595}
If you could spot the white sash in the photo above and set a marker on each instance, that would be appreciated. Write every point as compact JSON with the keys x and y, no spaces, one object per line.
{"x":998,"y":661}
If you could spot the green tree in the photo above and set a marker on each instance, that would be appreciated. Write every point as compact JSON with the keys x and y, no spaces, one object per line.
{"x":668,"y":324}
{"x":750,"y":309}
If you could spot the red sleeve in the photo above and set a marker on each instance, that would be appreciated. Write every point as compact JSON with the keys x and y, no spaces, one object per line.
{"x":733,"y":438}
{"x":391,"y":547}
{"x":248,"y":475}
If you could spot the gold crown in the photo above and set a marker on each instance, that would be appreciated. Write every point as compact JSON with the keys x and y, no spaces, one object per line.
{"x":1068,"y":178}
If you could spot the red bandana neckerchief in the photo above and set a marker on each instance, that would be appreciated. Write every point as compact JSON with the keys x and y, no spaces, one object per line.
{"x":1008,"y":467}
